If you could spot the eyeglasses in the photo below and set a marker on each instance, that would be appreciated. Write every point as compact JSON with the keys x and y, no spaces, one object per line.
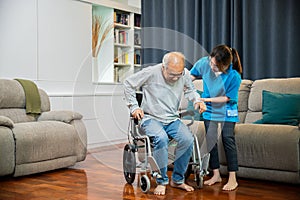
{"x":174,"y":75}
{"x":212,"y":64}
{"x":216,"y":67}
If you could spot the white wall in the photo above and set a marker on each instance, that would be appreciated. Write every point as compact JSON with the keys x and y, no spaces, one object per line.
{"x":18,"y":38}
{"x":49,"y":42}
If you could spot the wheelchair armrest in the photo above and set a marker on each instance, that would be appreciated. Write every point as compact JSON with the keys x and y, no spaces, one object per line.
{"x":187,"y":113}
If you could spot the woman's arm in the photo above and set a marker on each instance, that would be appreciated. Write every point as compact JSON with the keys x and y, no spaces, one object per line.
{"x":216,"y":99}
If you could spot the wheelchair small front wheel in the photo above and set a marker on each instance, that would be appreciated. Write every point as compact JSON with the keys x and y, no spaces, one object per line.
{"x":129,"y":163}
{"x":145,"y":183}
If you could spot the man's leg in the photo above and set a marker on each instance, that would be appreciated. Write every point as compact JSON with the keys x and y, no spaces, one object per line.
{"x":184,"y":139}
{"x":154,"y":128}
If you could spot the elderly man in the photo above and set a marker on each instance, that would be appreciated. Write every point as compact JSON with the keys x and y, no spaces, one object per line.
{"x":162,"y":86}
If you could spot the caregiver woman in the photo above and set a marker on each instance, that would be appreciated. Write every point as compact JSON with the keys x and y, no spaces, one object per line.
{"x":221,"y":75}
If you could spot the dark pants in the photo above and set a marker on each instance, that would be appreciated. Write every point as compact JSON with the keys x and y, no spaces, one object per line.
{"x":228,"y":139}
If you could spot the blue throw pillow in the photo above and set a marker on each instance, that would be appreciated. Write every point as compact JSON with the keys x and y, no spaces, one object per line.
{"x":278,"y":108}
{"x":190,"y":106}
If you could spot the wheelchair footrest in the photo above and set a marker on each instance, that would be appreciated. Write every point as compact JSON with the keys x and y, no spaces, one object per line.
{"x":153,"y":164}
{"x":157,"y":175}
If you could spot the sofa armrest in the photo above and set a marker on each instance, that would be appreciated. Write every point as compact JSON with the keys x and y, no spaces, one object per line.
{"x":5,"y":121}
{"x":61,"y":115}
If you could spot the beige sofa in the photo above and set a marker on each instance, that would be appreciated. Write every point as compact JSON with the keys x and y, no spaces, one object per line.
{"x":29,"y":144}
{"x":265,"y":151}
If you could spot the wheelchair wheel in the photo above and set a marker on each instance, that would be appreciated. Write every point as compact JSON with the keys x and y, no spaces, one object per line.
{"x":129,"y":163}
{"x":145,"y":183}
{"x":199,"y":180}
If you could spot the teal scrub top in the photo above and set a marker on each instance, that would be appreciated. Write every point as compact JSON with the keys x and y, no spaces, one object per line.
{"x":226,"y":84}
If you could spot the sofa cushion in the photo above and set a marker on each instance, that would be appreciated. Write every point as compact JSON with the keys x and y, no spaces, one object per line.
{"x":244,"y":91}
{"x":268,"y":146}
{"x":280,"y":85}
{"x":7,"y":151}
{"x":12,"y":101}
{"x":17,"y":115}
{"x":60,"y":115}
{"x":280,"y":108}
{"x":5,"y":121}
{"x":41,"y":141}
{"x":12,"y":95}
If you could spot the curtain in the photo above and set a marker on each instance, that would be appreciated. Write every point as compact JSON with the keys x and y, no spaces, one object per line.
{"x":266,"y":33}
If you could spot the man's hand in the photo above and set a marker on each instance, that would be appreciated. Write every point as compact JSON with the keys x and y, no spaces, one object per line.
{"x":201,"y":105}
{"x":138,"y":114}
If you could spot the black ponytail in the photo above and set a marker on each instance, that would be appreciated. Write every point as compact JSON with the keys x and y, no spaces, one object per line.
{"x":236,"y":62}
{"x":224,"y":56}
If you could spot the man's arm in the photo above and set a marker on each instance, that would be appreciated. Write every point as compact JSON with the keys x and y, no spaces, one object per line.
{"x":130,"y":87}
{"x":191,"y":94}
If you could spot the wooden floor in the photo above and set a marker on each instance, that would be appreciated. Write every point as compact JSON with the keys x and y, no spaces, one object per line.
{"x":100,"y":176}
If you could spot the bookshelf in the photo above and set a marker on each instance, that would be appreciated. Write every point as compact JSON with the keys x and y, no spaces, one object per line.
{"x":125,"y":42}
{"x":137,"y":43}
{"x":122,"y":45}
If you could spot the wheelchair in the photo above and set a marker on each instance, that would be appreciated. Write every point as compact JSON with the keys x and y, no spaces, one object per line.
{"x":140,"y":145}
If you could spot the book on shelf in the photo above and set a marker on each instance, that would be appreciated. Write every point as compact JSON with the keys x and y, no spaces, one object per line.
{"x":121,"y":56}
{"x":137,"y":38}
{"x":123,"y":37}
{"x":126,"y":58}
{"x":115,"y":17}
{"x":118,"y":55}
{"x":120,"y":73}
{"x":137,"y":57}
{"x":120,"y":36}
{"x":137,"y":20}
{"x":116,"y":36}
{"x":121,"y":17}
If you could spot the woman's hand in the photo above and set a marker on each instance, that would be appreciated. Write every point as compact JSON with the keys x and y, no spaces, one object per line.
{"x":201,"y":105}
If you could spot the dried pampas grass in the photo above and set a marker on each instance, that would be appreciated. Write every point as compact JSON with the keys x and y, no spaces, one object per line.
{"x":102,"y":27}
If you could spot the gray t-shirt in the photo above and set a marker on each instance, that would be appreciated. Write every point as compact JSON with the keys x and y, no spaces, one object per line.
{"x":161,"y":99}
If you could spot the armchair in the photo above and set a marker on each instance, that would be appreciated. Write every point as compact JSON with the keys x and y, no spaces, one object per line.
{"x":37,"y":143}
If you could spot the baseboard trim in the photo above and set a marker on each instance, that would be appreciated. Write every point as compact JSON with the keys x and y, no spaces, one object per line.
{"x":95,"y":147}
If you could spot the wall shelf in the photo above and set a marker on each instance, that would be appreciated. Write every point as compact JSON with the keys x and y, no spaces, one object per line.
{"x":125,"y":56}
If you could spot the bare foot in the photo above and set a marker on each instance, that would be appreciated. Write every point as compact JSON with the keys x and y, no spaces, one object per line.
{"x":182,"y":186}
{"x":216,"y":178}
{"x":230,"y":186}
{"x":232,"y":183}
{"x":160,"y":190}
{"x":213,"y":180}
